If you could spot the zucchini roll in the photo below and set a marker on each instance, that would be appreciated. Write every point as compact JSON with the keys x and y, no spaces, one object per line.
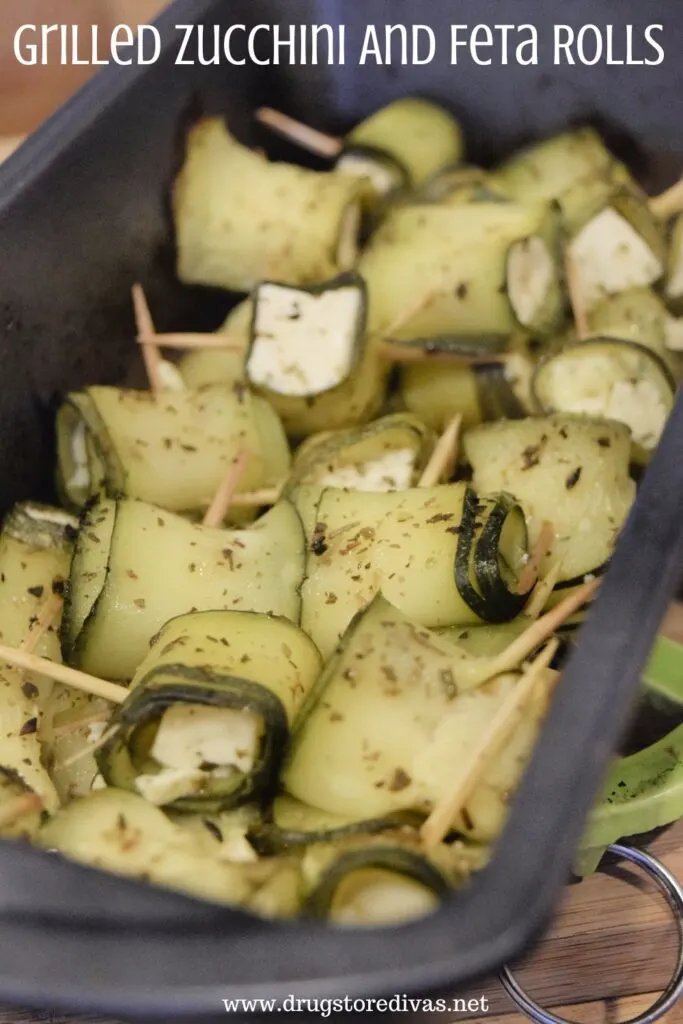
{"x":550,"y":169}
{"x":170,"y":449}
{"x":673,"y":287}
{"x":385,"y":455}
{"x":135,"y":567}
{"x":240,"y":219}
{"x":370,"y":884}
{"x":441,"y":555}
{"x":118,"y":831}
{"x":474,"y":273}
{"x":384,"y":178}
{"x":638,"y":315}
{"x":585,"y":460}
{"x":290,"y":825}
{"x":479,"y":392}
{"x":462,"y":184}
{"x":392,"y":719}
{"x":613,"y":378}
{"x":35,"y":549}
{"x":615,"y":241}
{"x":418,"y":136}
{"x":201,"y":366}
{"x":209,"y":710}
{"x":307,"y":357}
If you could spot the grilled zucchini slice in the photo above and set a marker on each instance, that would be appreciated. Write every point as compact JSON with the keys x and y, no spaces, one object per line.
{"x":240,"y":219}
{"x":35,"y":551}
{"x":612,"y":378}
{"x":417,"y":134}
{"x":385,"y":455}
{"x":583,"y":460}
{"x":461,"y":562}
{"x":150,"y":566}
{"x":169,"y":449}
{"x":209,"y":711}
{"x":394,"y":713}
{"x":361,"y":883}
{"x":472,"y":273}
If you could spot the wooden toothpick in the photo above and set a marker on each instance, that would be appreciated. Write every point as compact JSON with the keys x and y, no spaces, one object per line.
{"x":575,"y":297}
{"x":47,"y":616}
{"x":542,"y":591}
{"x":225,"y":495}
{"x":147,"y":338}
{"x":63,"y":674}
{"x":499,"y":730}
{"x":192,"y":340}
{"x":253,"y":499}
{"x":302,"y":134}
{"x":541,"y":547}
{"x":668,"y":203}
{"x":445,"y":455}
{"x":539,"y":631}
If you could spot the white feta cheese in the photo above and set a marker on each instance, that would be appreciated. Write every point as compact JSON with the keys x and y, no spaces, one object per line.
{"x":610,"y":256}
{"x":595,"y":385}
{"x":170,"y":784}
{"x":531,"y":278}
{"x":190,"y":735}
{"x":304,"y":343}
{"x":80,"y":473}
{"x":392,"y":471}
{"x":382,"y":177}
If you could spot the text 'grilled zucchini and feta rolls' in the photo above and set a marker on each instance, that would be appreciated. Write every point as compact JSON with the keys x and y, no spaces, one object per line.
{"x":308,"y":357}
{"x":569,"y":471}
{"x":35,"y":550}
{"x":209,"y":711}
{"x":170,"y":449}
{"x":240,"y":219}
{"x":441,"y":555}
{"x":476,"y":272}
{"x":395,"y":712}
{"x":136,"y":566}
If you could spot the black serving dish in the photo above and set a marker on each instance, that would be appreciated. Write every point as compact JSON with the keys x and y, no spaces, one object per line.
{"x":83,"y":214}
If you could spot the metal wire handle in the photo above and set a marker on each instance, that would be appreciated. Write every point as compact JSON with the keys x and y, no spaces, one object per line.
{"x":673,"y":891}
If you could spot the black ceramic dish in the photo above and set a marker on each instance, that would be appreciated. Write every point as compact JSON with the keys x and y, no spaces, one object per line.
{"x":83,"y":214}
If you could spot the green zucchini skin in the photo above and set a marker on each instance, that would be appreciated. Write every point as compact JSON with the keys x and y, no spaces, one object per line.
{"x":120,"y":767}
{"x":478,"y":574}
{"x":454,"y":346}
{"x":272,"y":837}
{"x":393,"y":858}
{"x":419,"y":135}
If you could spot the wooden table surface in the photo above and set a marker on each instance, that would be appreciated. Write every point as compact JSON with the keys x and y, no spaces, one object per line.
{"x":609,"y":953}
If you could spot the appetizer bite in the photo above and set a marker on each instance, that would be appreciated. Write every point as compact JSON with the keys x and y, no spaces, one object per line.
{"x":290,"y":640}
